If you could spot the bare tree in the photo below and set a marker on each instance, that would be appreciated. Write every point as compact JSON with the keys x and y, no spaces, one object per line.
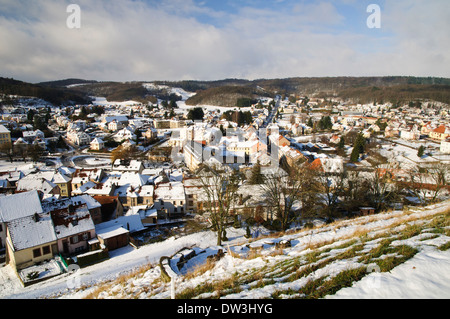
{"x":427,"y":182}
{"x":7,"y":149}
{"x":220,"y":189}
{"x":355,"y":190}
{"x":331,"y":186}
{"x":281,"y":193}
{"x":382,"y":188}
{"x":439,"y":175}
{"x":417,"y":181}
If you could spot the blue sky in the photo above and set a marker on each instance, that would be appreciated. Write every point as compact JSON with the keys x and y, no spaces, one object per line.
{"x":125,"y":40}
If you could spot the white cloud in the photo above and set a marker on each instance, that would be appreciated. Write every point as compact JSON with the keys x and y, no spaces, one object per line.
{"x":126,"y":40}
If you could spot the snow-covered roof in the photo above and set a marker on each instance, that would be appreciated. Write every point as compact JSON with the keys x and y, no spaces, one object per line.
{"x":84,"y":188}
{"x":60,"y":178}
{"x":3,"y":129}
{"x":86,"y":199}
{"x":133,"y":179}
{"x":110,"y":232}
{"x":68,"y":223}
{"x":19,"y":205}
{"x":133,"y":165}
{"x":170,"y":191}
{"x":29,"y":231}
{"x":32,"y":182}
{"x":130,"y":223}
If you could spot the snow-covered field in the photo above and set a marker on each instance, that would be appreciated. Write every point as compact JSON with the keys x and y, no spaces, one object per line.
{"x":399,"y":254}
{"x":182,"y":107}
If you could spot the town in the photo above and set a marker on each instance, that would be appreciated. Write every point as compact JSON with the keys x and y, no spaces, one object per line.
{"x":78,"y":182}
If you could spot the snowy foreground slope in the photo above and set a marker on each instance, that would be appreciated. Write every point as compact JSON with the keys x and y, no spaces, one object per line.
{"x":400,"y":254}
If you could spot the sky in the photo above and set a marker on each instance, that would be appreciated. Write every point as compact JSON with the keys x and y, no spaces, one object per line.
{"x":148,"y":40}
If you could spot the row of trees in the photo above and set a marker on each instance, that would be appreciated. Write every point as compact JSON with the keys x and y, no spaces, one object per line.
{"x":21,"y":151}
{"x":241,"y":118}
{"x":302,"y":192}
{"x":324,"y":124}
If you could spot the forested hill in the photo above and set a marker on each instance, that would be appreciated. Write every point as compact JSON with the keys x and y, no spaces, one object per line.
{"x":394,"y":89}
{"x":230,"y":96}
{"x":239,"y":92}
{"x":55,"y":96}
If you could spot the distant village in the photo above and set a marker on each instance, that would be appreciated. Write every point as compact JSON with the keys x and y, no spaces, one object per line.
{"x":78,"y":182}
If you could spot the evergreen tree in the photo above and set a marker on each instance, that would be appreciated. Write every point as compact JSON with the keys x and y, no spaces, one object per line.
{"x":358,"y":148}
{"x":355,"y":155}
{"x":196,"y":114}
{"x":360,"y":143}
{"x":256,"y":176}
{"x":421,"y":151}
{"x":341,"y":143}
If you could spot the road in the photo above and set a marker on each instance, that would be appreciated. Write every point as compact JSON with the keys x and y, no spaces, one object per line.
{"x":272,"y":114}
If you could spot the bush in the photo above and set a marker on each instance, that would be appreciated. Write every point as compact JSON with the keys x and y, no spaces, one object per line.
{"x":309,"y":225}
{"x":89,"y":259}
{"x":274,"y":225}
{"x":164,"y":275}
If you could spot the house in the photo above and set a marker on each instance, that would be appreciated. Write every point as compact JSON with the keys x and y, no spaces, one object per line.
{"x":93,"y":206}
{"x":115,"y":125}
{"x":111,"y":207}
{"x":427,"y":128}
{"x":12,"y":176}
{"x":135,"y":196}
{"x":30,"y":136}
{"x":132,"y":189}
{"x":30,"y":240}
{"x":97,"y":144}
{"x":445,"y":146}
{"x":440,"y":133}
{"x":335,"y":139}
{"x":115,"y":234}
{"x":83,"y":176}
{"x":193,"y":155}
{"x":148,"y":215}
{"x":5,"y":135}
{"x":171,"y":198}
{"x":251,"y":201}
{"x":35,"y":182}
{"x":5,"y":186}
{"x":410,"y":133}
{"x":121,"y":165}
{"x":17,"y":206}
{"x":124,"y":134}
{"x":151,"y":133}
{"x":78,"y":138}
{"x":123,"y":120}
{"x":74,"y":228}
{"x":64,"y":184}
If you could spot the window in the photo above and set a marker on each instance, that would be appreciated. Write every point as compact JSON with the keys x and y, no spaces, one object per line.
{"x":36,"y":252}
{"x":46,"y":250}
{"x":75,"y":239}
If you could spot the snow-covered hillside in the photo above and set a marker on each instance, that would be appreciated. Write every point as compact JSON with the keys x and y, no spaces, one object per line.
{"x":399,"y":254}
